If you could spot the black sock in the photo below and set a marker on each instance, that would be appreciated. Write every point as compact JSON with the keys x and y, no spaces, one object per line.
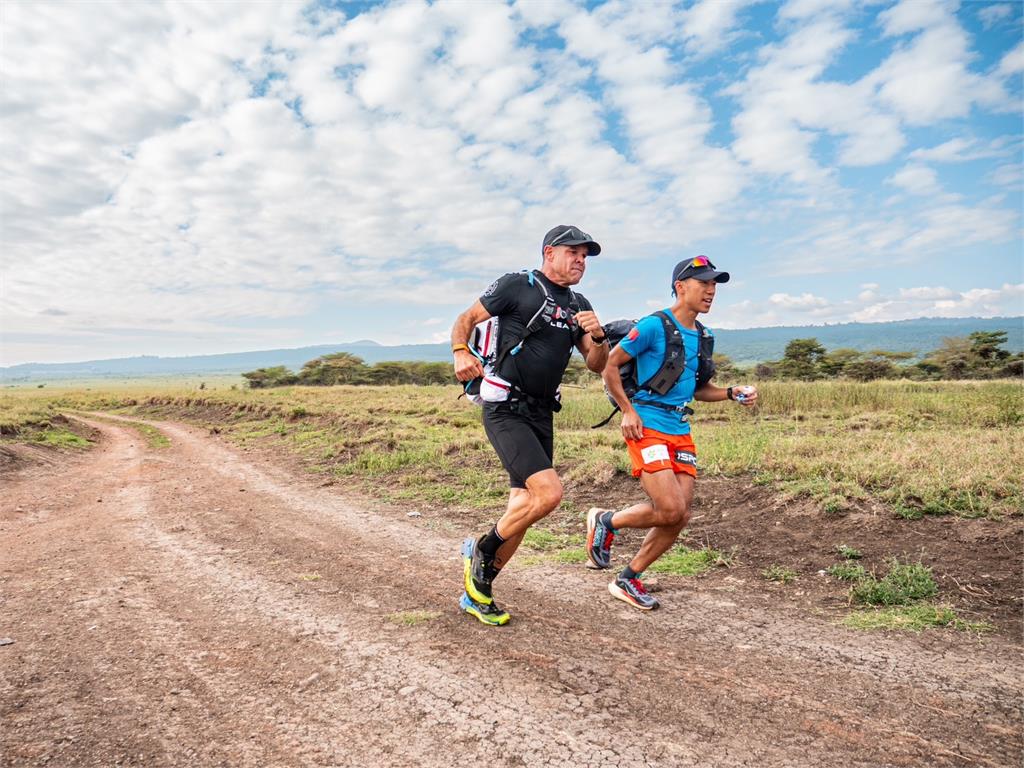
{"x":628,"y":573}
{"x":490,"y":543}
{"x":606,"y":518}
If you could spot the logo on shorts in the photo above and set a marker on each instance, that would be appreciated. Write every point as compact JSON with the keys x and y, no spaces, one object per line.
{"x":652,"y":454}
{"x":686,"y":457}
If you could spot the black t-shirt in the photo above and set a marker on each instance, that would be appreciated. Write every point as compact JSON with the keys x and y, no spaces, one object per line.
{"x":538,"y":367}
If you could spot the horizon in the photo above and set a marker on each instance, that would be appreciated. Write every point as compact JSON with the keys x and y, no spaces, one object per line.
{"x":179,"y":180}
{"x":376,"y":344}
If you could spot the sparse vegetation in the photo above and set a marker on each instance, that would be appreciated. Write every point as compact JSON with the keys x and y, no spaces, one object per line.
{"x":847,"y":571}
{"x":913,"y":618}
{"x":683,"y":561}
{"x":921,"y":448}
{"x":779,"y":573}
{"x":905,"y":583}
{"x":847,"y":552}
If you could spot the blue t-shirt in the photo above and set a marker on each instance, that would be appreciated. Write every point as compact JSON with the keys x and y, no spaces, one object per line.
{"x":646,"y":344}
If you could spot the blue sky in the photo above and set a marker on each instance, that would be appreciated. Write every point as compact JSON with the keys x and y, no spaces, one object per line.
{"x":191,"y":179}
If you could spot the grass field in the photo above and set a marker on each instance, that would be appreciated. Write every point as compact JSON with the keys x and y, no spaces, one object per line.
{"x":919,"y":448}
{"x":913,"y":449}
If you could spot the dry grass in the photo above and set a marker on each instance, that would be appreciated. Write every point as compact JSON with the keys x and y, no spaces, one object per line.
{"x":920,"y":448}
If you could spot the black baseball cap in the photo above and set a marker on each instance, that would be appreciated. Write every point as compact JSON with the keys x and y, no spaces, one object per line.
{"x":699,"y":268}
{"x":565,"y":234}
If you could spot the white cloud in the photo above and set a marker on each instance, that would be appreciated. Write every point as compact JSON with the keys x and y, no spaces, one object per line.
{"x":916,"y":179}
{"x":992,"y":14}
{"x":961,"y":150}
{"x":906,"y":304}
{"x":189,"y":170}
{"x":928,"y":79}
{"x":801,"y":303}
{"x":1008,"y":300}
{"x":1013,"y":62}
{"x":926,"y":293}
{"x":709,"y":25}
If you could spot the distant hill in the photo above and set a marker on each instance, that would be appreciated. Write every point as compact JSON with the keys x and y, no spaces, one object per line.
{"x":743,"y":346}
{"x":919,"y":336}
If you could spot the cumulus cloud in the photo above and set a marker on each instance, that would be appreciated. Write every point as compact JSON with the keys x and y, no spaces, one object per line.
{"x":218,"y":173}
{"x":992,"y":14}
{"x":929,"y":78}
{"x":872,"y":306}
{"x":916,"y":179}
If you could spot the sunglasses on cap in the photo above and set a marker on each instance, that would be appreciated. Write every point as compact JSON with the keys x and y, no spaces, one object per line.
{"x":700,"y":262}
{"x":571,"y":234}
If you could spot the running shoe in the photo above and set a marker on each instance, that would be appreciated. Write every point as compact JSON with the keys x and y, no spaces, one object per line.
{"x":632,"y":591}
{"x":488,"y":613}
{"x":599,"y":539}
{"x":477,"y":572}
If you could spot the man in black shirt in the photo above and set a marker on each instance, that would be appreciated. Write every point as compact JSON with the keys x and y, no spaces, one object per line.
{"x":532,"y":357}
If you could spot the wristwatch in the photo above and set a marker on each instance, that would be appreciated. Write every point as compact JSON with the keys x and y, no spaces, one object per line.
{"x":596,"y":340}
{"x":728,"y":393}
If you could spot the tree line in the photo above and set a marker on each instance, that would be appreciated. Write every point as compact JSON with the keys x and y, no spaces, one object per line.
{"x":346,"y":368}
{"x":978,"y":356}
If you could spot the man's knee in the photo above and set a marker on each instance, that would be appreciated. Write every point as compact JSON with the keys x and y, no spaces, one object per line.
{"x":672,"y":511}
{"x":546,"y":493}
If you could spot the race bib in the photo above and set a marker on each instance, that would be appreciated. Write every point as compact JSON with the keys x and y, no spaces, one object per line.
{"x":652,"y":454}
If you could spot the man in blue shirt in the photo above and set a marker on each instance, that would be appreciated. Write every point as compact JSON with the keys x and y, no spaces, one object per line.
{"x":657,"y":432}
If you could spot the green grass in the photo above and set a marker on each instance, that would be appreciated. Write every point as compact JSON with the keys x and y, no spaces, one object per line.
{"x":847,"y":552}
{"x":905,"y":583}
{"x":921,"y":448}
{"x":779,"y":573}
{"x":913,"y":618}
{"x":154,"y":437}
{"x":683,"y":561}
{"x":847,"y":571}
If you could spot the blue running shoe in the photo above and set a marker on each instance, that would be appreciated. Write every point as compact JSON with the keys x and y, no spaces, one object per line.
{"x":633,"y":592}
{"x":599,"y":539}
{"x":489,"y":613}
{"x":477,"y":572}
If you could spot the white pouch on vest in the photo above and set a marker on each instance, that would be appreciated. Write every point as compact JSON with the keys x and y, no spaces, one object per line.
{"x":494,"y":389}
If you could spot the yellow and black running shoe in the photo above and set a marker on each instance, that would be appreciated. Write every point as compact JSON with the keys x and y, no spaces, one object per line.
{"x":488,"y":613}
{"x":477,"y":572}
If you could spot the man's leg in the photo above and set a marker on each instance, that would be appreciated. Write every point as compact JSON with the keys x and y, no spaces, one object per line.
{"x":525,"y":447}
{"x":666,"y":515}
{"x":526,"y":506}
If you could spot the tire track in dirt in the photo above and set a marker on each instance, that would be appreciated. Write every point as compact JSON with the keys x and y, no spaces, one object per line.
{"x":892,"y":662}
{"x":270,"y":668}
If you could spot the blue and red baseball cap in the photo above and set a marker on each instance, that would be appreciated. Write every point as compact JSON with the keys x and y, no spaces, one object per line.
{"x":699,"y":268}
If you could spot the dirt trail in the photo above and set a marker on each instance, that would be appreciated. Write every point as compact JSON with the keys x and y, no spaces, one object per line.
{"x":193,"y":606}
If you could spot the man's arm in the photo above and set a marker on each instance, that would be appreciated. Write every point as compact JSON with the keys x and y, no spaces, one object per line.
{"x":632,"y":424}
{"x":467,"y":365}
{"x":709,"y":393}
{"x":595,"y":355}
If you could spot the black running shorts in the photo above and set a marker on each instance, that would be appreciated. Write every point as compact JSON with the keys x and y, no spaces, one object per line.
{"x":525,"y":442}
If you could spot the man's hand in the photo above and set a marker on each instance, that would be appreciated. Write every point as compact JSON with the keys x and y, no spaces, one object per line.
{"x":745,"y":395}
{"x":467,"y":366}
{"x":588,"y":321}
{"x":632,"y":425}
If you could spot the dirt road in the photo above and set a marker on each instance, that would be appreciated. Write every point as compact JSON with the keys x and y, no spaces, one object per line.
{"x":191,"y":605}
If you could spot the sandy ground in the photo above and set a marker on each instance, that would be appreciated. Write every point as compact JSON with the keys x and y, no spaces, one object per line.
{"x":196,"y":606}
